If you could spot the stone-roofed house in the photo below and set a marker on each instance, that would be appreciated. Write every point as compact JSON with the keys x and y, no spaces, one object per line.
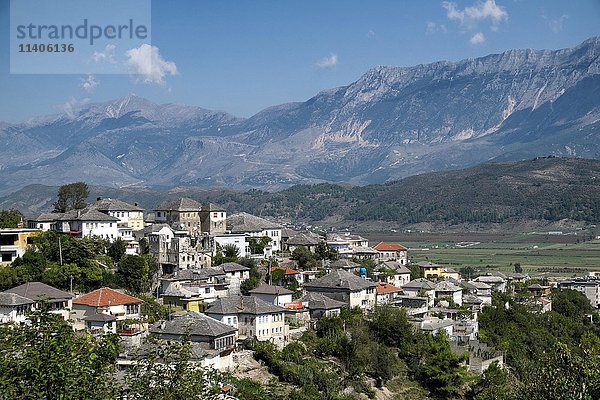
{"x":253,"y":226}
{"x":394,"y":273}
{"x":213,"y":219}
{"x":216,"y":338}
{"x":497,"y":283}
{"x":392,"y":252}
{"x":420,"y":288}
{"x":129,"y":215}
{"x":14,"y":308}
{"x":183,"y":213}
{"x":57,"y":301}
{"x":320,"y":306}
{"x":88,"y":222}
{"x":253,"y":317}
{"x":479,"y":289}
{"x":345,"y":265}
{"x":107,"y":301}
{"x":450,"y":291}
{"x":45,"y":221}
{"x":345,"y":286}
{"x":303,"y":239}
{"x":272,"y":294}
{"x":101,"y":322}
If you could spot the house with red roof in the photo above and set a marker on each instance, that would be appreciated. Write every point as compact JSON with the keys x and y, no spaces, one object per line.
{"x":107,"y":301}
{"x":392,"y":252}
{"x":386,"y":292}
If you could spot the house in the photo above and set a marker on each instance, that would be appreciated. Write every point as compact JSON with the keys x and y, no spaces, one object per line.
{"x":446,"y":290}
{"x":107,"y":301}
{"x":193,"y":289}
{"x":415,"y":306}
{"x":346,"y":287}
{"x":386,"y":292}
{"x":497,"y":283}
{"x":101,"y":323}
{"x":343,"y":243}
{"x":289,"y":274}
{"x":176,"y":250}
{"x":253,"y":317}
{"x":253,"y":226}
{"x":320,"y":306}
{"x":43,"y":296}
{"x":129,"y":215}
{"x":436,"y":325}
{"x":392,"y":252}
{"x":589,"y":286}
{"x":479,"y":289}
{"x":303,"y":239}
{"x":394,"y":273}
{"x":231,"y":239}
{"x":451,"y":273}
{"x":236,"y":274}
{"x":88,"y":222}
{"x":44,"y":222}
{"x":345,"y":265}
{"x":538,"y":290}
{"x":183,"y":214}
{"x":431,"y":270}
{"x":14,"y":308}
{"x":420,"y":288}
{"x":14,"y":242}
{"x":213,"y":219}
{"x":271,"y":294}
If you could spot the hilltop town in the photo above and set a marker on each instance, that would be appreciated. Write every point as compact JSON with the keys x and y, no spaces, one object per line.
{"x":191,"y":273}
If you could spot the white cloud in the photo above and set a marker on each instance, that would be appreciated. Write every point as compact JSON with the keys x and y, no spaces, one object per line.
{"x":557,"y":24}
{"x":478,"y":38}
{"x":371,"y":34}
{"x":72,"y":105}
{"x":89,"y":84}
{"x":480,"y":11}
{"x":147,"y":63}
{"x":108,"y":55}
{"x":328,"y":62}
{"x":434,"y":27}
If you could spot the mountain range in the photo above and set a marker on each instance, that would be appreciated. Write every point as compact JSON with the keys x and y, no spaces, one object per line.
{"x":391,"y":123}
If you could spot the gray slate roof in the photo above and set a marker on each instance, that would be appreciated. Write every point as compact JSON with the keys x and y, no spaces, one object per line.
{"x":344,"y":264}
{"x":340,"y":280}
{"x":395,"y":266}
{"x":270,"y":289}
{"x":182,"y":204}
{"x":242,"y":305}
{"x":47,"y":217}
{"x":195,"y":323}
{"x":100,"y":317}
{"x":86,"y":214}
{"x":109,"y":204}
{"x":40,"y":291}
{"x":213,"y":207}
{"x":13,"y":299}
{"x":420,"y":283}
{"x":233,"y":267}
{"x":318,"y":301}
{"x":304,"y":239}
{"x":445,"y":286}
{"x":244,"y":222}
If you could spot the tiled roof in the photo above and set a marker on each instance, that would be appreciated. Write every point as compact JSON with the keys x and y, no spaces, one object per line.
{"x":13,"y":299}
{"x":114,"y":205}
{"x":420,"y":283}
{"x":194,"y":323}
{"x":182,"y":204}
{"x":40,"y":291}
{"x":242,"y":305}
{"x":383,"y":287}
{"x":382,"y":246}
{"x":105,"y":297}
{"x":270,"y":289}
{"x":244,"y":222}
{"x":288,"y":270}
{"x":318,"y":301}
{"x":340,"y":280}
{"x":396,"y":266}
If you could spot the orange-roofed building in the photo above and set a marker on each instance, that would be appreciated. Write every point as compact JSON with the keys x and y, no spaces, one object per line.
{"x":107,"y":301}
{"x":392,"y":252}
{"x":291,"y":274}
{"x":386,"y":292}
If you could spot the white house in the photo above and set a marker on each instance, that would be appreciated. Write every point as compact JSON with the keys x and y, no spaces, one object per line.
{"x":276,"y":295}
{"x":128,"y":215}
{"x":448,"y":290}
{"x":392,"y":252}
{"x":14,"y":308}
{"x":253,"y":226}
{"x":420,"y":288}
{"x":88,"y":223}
{"x":107,"y":301}
{"x":346,"y":287}
{"x":230,"y":239}
{"x":43,"y":296}
{"x":394,"y":273}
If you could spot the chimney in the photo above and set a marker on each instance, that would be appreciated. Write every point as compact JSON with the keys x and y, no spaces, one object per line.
{"x":135,"y":204}
{"x":98,"y":198}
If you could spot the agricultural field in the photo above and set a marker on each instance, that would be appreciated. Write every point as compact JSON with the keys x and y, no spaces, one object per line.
{"x":556,"y":255}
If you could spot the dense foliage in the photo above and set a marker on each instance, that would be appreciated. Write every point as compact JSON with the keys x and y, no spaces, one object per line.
{"x":10,"y":218}
{"x":71,"y":197}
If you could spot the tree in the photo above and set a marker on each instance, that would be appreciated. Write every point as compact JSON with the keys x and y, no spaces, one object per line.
{"x":10,"y":218}
{"x":133,"y":273}
{"x":492,"y":385}
{"x":167,"y":370}
{"x":257,"y":244}
{"x":306,"y":259}
{"x":71,"y":197}
{"x":117,"y":249}
{"x":254,"y":280}
{"x":231,"y":251}
{"x":48,"y":360}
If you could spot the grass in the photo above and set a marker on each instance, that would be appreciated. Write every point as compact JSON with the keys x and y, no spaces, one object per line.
{"x":555,"y":254}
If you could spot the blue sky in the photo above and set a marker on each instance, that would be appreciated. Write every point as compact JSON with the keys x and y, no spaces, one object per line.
{"x":244,"y":56}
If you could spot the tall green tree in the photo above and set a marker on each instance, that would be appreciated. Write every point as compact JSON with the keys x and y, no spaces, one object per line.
{"x":10,"y":218}
{"x":71,"y":197}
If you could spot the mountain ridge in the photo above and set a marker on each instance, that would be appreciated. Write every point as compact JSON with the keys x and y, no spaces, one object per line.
{"x":390,"y":123}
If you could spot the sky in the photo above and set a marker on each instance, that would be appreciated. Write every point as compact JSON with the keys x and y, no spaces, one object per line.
{"x":244,"y":56}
